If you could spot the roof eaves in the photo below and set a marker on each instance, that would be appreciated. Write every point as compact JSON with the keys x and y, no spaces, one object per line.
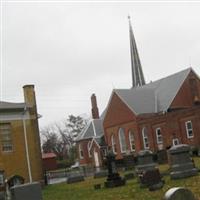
{"x":96,"y":143}
{"x":83,"y":133}
{"x":94,"y":128}
{"x":108,"y":105}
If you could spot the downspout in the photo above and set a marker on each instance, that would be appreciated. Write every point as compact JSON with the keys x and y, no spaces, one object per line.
{"x":26,"y":146}
{"x":156,"y":102}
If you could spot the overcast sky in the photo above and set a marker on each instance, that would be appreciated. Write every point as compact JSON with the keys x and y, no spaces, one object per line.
{"x":71,"y":50}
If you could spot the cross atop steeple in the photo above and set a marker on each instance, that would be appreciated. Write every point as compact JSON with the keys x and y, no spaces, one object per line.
{"x":137,"y":73}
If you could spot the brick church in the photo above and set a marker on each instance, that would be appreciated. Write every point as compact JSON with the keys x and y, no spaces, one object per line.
{"x":154,"y":116}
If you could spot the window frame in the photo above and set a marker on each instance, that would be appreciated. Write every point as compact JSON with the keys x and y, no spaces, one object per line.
{"x":121,"y":133}
{"x":113,"y":143}
{"x":131,"y":140}
{"x":81,"y":151}
{"x":88,"y":148}
{"x":145,"y":137}
{"x":175,"y":140}
{"x":6,"y":138}
{"x":187,"y":129}
{"x":159,"y":136}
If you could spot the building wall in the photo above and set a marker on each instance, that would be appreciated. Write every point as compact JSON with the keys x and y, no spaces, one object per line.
{"x":186,"y":94}
{"x":172,"y":124}
{"x":117,"y":113}
{"x":15,"y":162}
{"x":34,"y":149}
{"x":130,"y":126}
{"x":85,"y":160}
{"x":96,"y":148}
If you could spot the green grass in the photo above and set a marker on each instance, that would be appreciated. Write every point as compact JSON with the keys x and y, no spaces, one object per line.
{"x":85,"y":190}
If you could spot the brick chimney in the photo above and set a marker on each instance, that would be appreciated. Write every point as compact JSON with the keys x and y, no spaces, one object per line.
{"x":29,"y":98}
{"x":95,"y":110}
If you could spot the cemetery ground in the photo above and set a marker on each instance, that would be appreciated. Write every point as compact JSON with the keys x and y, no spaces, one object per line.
{"x":85,"y":190}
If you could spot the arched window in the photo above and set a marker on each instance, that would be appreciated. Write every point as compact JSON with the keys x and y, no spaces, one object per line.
{"x":114,"y":146}
{"x":131,"y":140}
{"x":88,"y":147}
{"x":145,"y":138}
{"x":80,"y":151}
{"x":122,"y":140}
{"x":159,"y":136}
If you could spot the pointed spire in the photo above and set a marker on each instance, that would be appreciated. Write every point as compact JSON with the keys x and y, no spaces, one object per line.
{"x":137,"y":73}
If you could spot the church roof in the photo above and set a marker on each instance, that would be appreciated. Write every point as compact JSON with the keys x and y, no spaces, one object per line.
{"x":93,"y":129}
{"x":154,"y":97}
{"x":100,"y":141}
{"x":8,"y":105}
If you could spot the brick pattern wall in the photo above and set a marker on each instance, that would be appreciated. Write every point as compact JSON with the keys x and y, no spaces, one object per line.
{"x":85,"y":160}
{"x":171,"y":124}
{"x":15,"y":162}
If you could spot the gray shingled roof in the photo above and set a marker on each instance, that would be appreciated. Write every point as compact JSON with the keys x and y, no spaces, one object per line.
{"x":100,"y":141}
{"x":8,"y":105}
{"x":93,"y":129}
{"x":153,"y":97}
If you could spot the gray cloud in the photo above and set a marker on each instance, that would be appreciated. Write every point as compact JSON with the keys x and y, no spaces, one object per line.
{"x":70,"y":50}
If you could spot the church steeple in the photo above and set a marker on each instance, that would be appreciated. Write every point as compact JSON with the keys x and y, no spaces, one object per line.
{"x":137,"y":73}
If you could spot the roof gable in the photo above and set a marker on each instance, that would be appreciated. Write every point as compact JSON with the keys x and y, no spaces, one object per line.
{"x":94,"y":129}
{"x":156,"y":96}
{"x":117,"y":111}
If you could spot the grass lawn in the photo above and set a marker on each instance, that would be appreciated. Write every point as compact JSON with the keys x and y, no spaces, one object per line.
{"x":85,"y":190}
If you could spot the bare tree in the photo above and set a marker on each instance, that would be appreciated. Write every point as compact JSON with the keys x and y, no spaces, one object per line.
{"x":60,"y":137}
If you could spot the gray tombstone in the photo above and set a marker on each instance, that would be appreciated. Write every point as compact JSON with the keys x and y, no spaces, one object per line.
{"x":181,"y":163}
{"x":29,"y":191}
{"x":179,"y":193}
{"x":145,"y":161}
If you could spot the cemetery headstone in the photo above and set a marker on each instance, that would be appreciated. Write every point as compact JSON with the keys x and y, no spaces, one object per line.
{"x":29,"y":191}
{"x":148,"y":175}
{"x":151,"y":179}
{"x":74,"y":178}
{"x":113,"y":178}
{"x":145,"y":161}
{"x":181,"y":164}
{"x":129,"y":162}
{"x":179,"y":193}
